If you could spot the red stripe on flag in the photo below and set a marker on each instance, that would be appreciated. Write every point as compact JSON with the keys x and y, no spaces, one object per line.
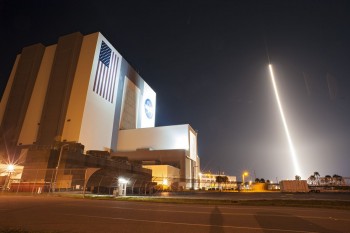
{"x":108,"y":76}
{"x":111,"y":78}
{"x":114,"y":80}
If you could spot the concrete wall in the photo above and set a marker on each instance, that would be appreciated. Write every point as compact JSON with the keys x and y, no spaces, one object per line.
{"x":77,"y":100}
{"x":31,"y":122}
{"x":159,"y":138}
{"x":98,"y":117}
{"x":19,"y":96}
{"x":163,"y":171}
{"x":130,"y":103}
{"x":59,"y":88}
{"x":175,"y":158}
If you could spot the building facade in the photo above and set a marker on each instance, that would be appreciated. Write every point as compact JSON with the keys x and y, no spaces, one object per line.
{"x":81,"y":90}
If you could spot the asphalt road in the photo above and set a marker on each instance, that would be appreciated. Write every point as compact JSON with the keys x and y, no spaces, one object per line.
{"x":57,"y":214}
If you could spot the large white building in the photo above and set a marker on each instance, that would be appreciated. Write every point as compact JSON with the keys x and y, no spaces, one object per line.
{"x":82,"y":90}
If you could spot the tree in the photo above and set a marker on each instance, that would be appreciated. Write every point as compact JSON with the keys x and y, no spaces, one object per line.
{"x":257,"y":180}
{"x":311,"y":180}
{"x":262,"y":180}
{"x":337,"y":179}
{"x":317,"y":178}
{"x":328,"y":179}
{"x":221,"y":179}
{"x":297,"y":177}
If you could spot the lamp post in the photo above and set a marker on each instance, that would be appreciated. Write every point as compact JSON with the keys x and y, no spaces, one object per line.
{"x":58,"y":164}
{"x":194,"y":173}
{"x":122,"y":182}
{"x":199,"y":181}
{"x":243,"y":175}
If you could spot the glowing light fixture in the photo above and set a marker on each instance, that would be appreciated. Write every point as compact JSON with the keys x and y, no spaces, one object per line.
{"x":10,"y":168}
{"x":122,"y":180}
{"x":290,"y":143}
{"x":243,"y":175}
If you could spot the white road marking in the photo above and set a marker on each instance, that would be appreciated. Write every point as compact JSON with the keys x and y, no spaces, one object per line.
{"x":222,"y":213}
{"x":190,"y":224}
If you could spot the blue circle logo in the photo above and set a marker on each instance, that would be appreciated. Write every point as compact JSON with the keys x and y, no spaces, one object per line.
{"x":149,"y":108}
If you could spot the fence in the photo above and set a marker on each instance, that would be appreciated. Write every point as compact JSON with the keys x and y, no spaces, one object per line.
{"x":90,"y":180}
{"x":98,"y":181}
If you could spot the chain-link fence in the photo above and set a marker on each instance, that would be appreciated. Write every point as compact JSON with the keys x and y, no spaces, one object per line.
{"x":78,"y":181}
{"x":102,"y":181}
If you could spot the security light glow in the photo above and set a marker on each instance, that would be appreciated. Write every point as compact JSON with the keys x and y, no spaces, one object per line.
{"x":10,"y":167}
{"x":290,"y":143}
{"x":122,"y":180}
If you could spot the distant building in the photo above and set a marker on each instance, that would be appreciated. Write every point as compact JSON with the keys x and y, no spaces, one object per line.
{"x":208,"y":181}
{"x":168,"y":145}
{"x":81,"y":90}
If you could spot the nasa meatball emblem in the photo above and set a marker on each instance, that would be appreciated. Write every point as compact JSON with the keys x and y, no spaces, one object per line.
{"x":148,"y":108}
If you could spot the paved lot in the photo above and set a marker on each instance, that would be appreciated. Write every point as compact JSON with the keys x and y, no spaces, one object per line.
{"x":78,"y":215}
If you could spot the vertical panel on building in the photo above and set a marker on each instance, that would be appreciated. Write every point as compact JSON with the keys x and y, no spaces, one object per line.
{"x":147,"y":107}
{"x":59,"y":88}
{"x":5,"y":95}
{"x":98,"y":118}
{"x":130,"y":101}
{"x":193,"y":145}
{"x":21,"y":91}
{"x":30,"y":126}
{"x":127,"y":75}
{"x":80,"y":87}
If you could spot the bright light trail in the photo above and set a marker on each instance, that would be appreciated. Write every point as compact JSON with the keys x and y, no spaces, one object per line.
{"x":291,"y":147}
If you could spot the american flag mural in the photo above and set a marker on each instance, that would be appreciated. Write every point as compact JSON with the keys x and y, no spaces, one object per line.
{"x":106,"y":73}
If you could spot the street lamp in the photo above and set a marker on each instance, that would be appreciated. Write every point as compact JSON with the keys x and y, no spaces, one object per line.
{"x":243,"y":175}
{"x":58,"y":164}
{"x":199,"y":181}
{"x":10,"y":168}
{"x":122,"y":182}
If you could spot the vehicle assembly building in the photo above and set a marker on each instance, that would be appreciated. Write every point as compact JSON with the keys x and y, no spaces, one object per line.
{"x":82,"y":91}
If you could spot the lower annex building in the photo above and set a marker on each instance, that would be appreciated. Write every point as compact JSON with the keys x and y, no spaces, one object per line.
{"x":79,"y":104}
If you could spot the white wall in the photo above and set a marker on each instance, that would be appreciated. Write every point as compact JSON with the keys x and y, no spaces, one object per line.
{"x":193,"y":146}
{"x":157,"y":138}
{"x":98,"y":117}
{"x":147,"y":107}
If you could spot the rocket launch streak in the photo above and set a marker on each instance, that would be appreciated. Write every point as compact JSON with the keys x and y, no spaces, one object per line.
{"x":291,"y":147}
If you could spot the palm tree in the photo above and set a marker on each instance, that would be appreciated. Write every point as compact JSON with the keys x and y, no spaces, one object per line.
{"x":221,"y":179}
{"x":311,"y":180}
{"x":338,"y":179}
{"x":328,"y":179}
{"x":317,"y":178}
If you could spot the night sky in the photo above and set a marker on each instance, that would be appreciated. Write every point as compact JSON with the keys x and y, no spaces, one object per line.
{"x":208,"y":64}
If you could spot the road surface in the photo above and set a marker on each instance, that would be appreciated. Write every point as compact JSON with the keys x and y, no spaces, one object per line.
{"x":57,"y":214}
